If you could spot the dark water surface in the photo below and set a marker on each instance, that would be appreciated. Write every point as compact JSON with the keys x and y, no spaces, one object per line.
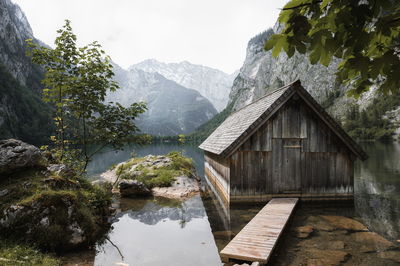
{"x":158,"y":231}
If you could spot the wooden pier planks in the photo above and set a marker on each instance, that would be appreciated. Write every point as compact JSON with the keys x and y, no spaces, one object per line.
{"x":258,"y":238}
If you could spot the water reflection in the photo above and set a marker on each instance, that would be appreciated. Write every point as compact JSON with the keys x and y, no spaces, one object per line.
{"x":164,"y":232}
{"x":377,"y":188}
{"x":102,"y":161}
{"x":161,"y":232}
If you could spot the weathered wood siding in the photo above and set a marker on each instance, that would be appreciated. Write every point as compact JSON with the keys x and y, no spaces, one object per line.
{"x":217,"y":170}
{"x":294,"y":153}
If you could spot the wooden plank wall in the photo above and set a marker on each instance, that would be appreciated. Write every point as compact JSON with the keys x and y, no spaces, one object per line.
{"x":217,"y":170}
{"x":292,"y":153}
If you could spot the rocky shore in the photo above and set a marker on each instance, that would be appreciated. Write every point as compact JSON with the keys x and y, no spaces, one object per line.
{"x":170,"y":176}
{"x":45,"y":204}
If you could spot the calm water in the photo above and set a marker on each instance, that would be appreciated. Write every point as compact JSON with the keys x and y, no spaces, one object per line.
{"x":167,"y":232}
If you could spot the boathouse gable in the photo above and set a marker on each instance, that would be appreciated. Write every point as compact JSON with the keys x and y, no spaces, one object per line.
{"x":284,"y":144}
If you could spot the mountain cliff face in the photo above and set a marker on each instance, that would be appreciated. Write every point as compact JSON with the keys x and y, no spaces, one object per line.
{"x":14,"y":30}
{"x":372,"y":116}
{"x":211,"y":83}
{"x":22,"y":113}
{"x":172,"y":108}
{"x":261,"y":72}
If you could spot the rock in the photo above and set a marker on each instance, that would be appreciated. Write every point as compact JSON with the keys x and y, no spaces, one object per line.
{"x":77,"y":235}
{"x":182,"y":187}
{"x":390,"y":255}
{"x":133,"y":188}
{"x":372,"y":239}
{"x":319,"y":257}
{"x":3,"y":192}
{"x":319,"y":224}
{"x":61,"y":170}
{"x":134,"y":174}
{"x":109,"y":176}
{"x":16,"y":155}
{"x":256,"y":263}
{"x":336,"y":244}
{"x":341,"y":222}
{"x":304,"y":231}
{"x":56,"y":220}
{"x":366,"y":249}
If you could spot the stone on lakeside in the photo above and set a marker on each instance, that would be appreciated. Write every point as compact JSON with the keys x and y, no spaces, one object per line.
{"x":16,"y":155}
{"x":133,"y":188}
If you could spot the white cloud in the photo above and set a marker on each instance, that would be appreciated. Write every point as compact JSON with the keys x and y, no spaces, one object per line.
{"x":208,"y":32}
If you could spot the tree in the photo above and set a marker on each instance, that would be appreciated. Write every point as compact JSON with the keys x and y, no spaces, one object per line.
{"x":365,"y":35}
{"x":77,"y":81}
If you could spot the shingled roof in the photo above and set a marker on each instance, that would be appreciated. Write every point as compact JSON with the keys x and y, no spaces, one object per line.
{"x":241,"y":124}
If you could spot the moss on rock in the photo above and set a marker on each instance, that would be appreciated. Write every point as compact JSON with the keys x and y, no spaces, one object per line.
{"x":52,"y":212}
{"x":156,"y":171}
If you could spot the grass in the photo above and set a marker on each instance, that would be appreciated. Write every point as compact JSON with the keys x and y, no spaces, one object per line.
{"x":161,"y":177}
{"x":17,"y":254}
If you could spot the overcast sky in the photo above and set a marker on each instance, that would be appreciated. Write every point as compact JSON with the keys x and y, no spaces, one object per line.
{"x":208,"y":32}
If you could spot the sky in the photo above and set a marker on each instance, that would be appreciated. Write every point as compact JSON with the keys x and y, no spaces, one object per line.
{"x":213,"y":33}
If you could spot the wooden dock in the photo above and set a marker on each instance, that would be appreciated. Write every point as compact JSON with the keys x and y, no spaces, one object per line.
{"x":257,"y":239}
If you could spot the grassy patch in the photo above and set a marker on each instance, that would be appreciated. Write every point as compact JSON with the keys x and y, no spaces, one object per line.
{"x":157,"y":177}
{"x":16,"y":254}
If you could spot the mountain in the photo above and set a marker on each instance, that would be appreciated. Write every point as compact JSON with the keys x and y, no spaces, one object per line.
{"x":261,"y":73}
{"x":172,"y":108}
{"x":211,"y":83}
{"x":372,"y":116}
{"x":23,"y":114}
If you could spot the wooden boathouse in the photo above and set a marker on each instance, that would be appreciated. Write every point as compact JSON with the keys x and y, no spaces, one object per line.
{"x":282,"y":145}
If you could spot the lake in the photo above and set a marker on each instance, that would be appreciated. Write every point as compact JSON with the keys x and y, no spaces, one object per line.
{"x":158,"y":231}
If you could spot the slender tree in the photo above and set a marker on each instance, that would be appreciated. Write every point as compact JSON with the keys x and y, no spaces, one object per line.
{"x":77,"y":81}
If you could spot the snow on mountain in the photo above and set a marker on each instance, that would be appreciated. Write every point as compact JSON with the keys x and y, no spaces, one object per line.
{"x":213,"y":84}
{"x":172,"y":108}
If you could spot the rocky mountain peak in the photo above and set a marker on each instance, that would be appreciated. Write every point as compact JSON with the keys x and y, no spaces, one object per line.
{"x":211,"y":83}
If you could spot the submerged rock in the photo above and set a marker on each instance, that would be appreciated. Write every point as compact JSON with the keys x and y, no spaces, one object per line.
{"x":341,"y":222}
{"x":133,"y":188}
{"x":304,"y":231}
{"x":373,"y":240}
{"x":390,"y":255}
{"x":16,"y":155}
{"x":336,"y":244}
{"x":319,"y":257}
{"x":319,"y":224}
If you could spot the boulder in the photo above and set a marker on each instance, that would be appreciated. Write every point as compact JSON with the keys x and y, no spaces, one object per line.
{"x":61,"y":170}
{"x":341,"y":222}
{"x":133,"y":188}
{"x":16,"y":155}
{"x":54,"y":220}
